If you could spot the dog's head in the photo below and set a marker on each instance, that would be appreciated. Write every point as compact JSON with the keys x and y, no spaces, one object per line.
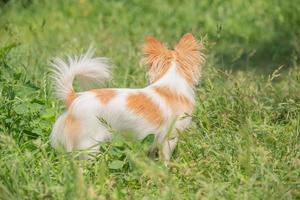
{"x":187,"y":55}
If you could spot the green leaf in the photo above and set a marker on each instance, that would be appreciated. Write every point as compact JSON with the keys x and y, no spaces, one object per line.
{"x":116,"y":164}
{"x":35,"y":107}
{"x":21,"y":109}
{"x":24,"y":91}
{"x":118,"y":143}
{"x":48,"y":113}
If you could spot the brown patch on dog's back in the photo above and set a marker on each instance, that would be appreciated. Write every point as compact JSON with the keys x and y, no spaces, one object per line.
{"x":104,"y":95}
{"x":142,"y":105}
{"x":176,"y":101}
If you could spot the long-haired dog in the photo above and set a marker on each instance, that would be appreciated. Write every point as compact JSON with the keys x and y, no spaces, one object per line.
{"x":163,"y":108}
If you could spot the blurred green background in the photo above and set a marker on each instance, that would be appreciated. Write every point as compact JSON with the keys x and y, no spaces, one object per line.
{"x":239,"y":34}
{"x":243,"y":143}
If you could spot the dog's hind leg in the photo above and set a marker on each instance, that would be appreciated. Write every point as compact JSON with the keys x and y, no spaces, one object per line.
{"x":66,"y":132}
{"x":90,"y":139}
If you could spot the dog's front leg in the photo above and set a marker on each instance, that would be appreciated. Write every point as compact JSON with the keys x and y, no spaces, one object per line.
{"x":168,"y":147}
{"x":163,"y":148}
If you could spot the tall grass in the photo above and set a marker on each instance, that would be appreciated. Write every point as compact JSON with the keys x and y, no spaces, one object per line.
{"x":245,"y":137}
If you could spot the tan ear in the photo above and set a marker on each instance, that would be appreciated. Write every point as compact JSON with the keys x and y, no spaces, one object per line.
{"x":188,"y":43}
{"x":153,"y":47}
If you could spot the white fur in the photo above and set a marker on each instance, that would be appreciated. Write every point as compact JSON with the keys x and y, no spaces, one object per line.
{"x":84,"y":67}
{"x":87,"y":109}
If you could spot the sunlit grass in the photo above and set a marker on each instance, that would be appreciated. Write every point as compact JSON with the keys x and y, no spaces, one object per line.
{"x":245,"y":137}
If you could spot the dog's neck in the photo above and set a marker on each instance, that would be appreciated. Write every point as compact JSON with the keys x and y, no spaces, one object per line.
{"x":176,"y":82}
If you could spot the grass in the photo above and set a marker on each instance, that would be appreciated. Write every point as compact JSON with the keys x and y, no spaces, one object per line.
{"x":244,"y":142}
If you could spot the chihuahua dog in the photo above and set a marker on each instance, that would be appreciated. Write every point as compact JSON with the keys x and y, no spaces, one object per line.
{"x":163,"y":108}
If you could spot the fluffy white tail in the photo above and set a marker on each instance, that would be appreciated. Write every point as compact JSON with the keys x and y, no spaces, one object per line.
{"x":84,"y":67}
